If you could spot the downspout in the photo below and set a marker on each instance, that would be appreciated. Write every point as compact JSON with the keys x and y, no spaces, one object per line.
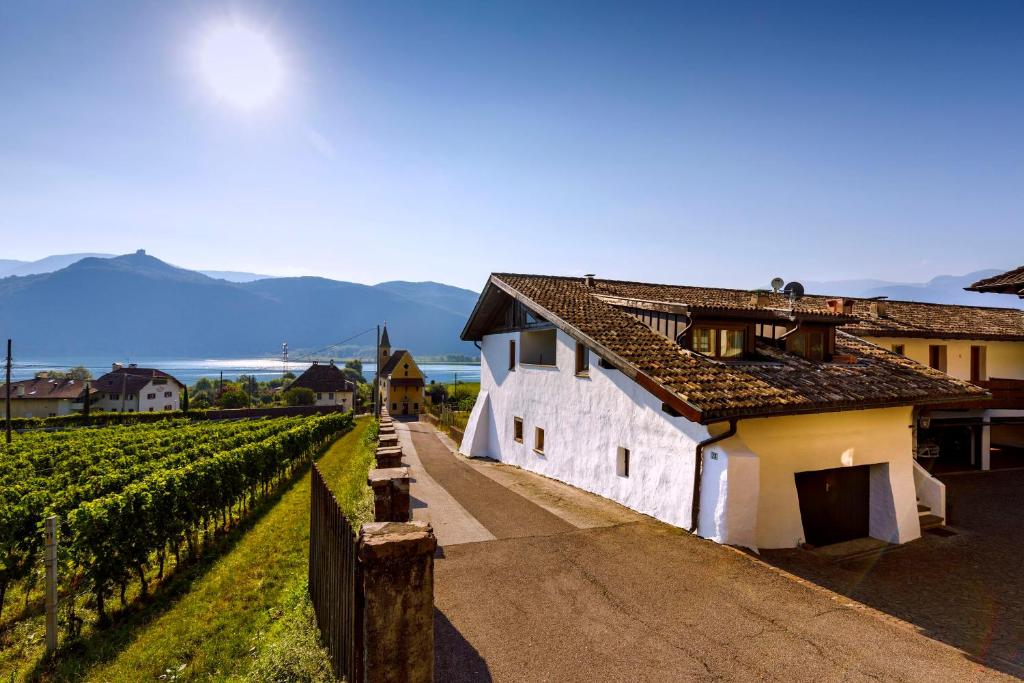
{"x":698,"y":470}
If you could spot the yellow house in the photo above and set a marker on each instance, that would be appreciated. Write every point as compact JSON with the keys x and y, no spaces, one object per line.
{"x":400,"y":381}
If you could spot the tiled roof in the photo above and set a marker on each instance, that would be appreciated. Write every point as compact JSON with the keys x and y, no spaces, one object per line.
{"x":393,"y":359}
{"x":936,"y":321}
{"x":45,"y":388}
{"x":1011,"y":282}
{"x":319,"y":377}
{"x":130,"y":380}
{"x":710,"y":390}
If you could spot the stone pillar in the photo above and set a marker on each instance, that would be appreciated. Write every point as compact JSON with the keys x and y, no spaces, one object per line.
{"x":986,"y":443}
{"x":397,"y":568}
{"x":390,"y":494}
{"x":389,"y":456}
{"x":388,"y":440}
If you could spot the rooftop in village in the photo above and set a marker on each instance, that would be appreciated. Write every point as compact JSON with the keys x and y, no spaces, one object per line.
{"x":1011,"y":282}
{"x":321,"y":377}
{"x":635,"y":327}
{"x":130,"y":378}
{"x":43,"y":387}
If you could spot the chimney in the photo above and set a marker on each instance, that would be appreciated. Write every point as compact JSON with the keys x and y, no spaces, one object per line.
{"x":841,"y":305}
{"x":878,"y":308}
{"x":760,"y":299}
{"x":115,"y":367}
{"x":588,"y":279}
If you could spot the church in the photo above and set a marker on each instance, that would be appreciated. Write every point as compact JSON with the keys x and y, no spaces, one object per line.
{"x":400,"y":381}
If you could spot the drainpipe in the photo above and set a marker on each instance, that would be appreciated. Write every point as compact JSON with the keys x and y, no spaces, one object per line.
{"x":698,"y":470}
{"x":681,"y":337}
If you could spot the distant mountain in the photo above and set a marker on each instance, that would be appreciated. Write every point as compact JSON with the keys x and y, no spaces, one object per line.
{"x":137,"y":305}
{"x":454,"y":299}
{"x":234,"y":275}
{"x":43,"y":265}
{"x":944,"y":289}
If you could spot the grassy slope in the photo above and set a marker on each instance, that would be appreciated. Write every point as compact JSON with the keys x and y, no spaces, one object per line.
{"x":248,"y":615}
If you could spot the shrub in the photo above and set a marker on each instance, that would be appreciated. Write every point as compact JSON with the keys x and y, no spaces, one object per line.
{"x":299,"y":396}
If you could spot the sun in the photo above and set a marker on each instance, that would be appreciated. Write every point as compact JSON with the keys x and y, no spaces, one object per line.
{"x":240,"y":65}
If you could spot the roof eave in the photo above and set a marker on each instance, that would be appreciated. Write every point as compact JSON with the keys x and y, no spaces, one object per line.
{"x":755,"y":413}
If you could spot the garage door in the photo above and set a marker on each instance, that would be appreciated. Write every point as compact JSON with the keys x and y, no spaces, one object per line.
{"x":834,"y":504}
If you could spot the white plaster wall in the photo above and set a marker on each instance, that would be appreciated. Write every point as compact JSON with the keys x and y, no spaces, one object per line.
{"x":585,"y":421}
{"x":1003,"y":359}
{"x":341,"y":398}
{"x":157,"y":404}
{"x":729,"y":494}
{"x":802,"y":443}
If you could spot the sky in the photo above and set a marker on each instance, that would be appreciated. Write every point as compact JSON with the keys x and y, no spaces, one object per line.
{"x":701,"y":143}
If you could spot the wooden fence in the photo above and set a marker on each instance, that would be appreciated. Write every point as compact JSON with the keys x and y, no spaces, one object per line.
{"x":334,"y":582}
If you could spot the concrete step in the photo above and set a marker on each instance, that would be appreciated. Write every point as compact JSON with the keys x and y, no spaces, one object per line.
{"x":923,"y":509}
{"x":930,"y":522}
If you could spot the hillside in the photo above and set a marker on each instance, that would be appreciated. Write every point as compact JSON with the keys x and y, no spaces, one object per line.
{"x":943,"y":289}
{"x":137,"y":305}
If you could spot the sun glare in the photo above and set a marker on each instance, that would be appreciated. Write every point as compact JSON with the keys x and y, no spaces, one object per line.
{"x":240,"y":65}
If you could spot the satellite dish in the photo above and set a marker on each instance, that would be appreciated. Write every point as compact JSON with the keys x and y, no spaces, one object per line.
{"x":777,"y":284}
{"x":794,"y":290}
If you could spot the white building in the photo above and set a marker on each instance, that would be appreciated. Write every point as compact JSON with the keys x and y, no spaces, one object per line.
{"x":329,"y":385}
{"x":742,"y":416}
{"x":136,"y":390}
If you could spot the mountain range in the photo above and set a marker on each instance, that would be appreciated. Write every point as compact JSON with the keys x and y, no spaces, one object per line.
{"x":944,"y":289}
{"x":137,"y":305}
{"x":51,"y":263}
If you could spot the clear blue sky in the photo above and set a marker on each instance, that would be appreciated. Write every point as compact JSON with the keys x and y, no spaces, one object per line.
{"x":714,"y":143}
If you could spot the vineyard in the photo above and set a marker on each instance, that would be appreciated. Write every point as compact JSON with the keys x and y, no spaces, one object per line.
{"x":128,"y":497}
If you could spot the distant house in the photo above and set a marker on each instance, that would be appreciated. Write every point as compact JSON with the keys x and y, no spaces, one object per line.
{"x":745,"y":417}
{"x":399,"y":381}
{"x":44,"y":397}
{"x":136,"y":390}
{"x":328,"y":384}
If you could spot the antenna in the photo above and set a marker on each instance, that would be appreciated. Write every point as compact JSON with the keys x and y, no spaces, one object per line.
{"x":794,"y":290}
{"x":777,"y":283}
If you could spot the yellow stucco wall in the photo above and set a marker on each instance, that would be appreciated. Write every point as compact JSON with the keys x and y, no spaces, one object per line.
{"x":802,"y":443}
{"x":37,"y":407}
{"x":396,"y":396}
{"x":1003,"y":359}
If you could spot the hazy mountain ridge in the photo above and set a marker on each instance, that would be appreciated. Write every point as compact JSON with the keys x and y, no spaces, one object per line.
{"x":139,"y":305}
{"x":942,"y":289}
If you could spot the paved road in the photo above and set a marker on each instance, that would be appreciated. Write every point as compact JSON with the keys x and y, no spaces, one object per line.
{"x":598,"y":593}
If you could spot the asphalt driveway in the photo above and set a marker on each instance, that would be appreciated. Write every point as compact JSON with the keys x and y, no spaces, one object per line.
{"x":604,"y":594}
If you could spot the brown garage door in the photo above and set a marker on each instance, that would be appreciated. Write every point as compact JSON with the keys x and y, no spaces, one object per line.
{"x":834,"y":504}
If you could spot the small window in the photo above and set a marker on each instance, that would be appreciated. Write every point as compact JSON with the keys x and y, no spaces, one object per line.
{"x":979,"y":373}
{"x":538,"y":439}
{"x":719,"y":342}
{"x":330,"y":395}
{"x":319,"y":396}
{"x":731,"y":343}
{"x":539,"y":347}
{"x":394,"y":406}
{"x":582,"y":359}
{"x":152,"y":409}
{"x":150,"y":396}
{"x":517,"y":429}
{"x":167,"y":394}
{"x":114,"y":397}
{"x":704,"y":341}
{"x":511,"y":354}
{"x":937,"y":357}
{"x":622,"y":462}
{"x":899,"y":349}
{"x":168,"y":407}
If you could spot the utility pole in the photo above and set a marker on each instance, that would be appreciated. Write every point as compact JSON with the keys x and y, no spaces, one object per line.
{"x":220,"y":387}
{"x":8,"y":405}
{"x":124,"y":388}
{"x":377,"y":377}
{"x":85,"y":402}
{"x":50,"y":562}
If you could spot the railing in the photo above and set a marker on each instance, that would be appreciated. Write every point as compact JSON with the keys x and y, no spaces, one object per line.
{"x":930,"y":491}
{"x":334,"y":579}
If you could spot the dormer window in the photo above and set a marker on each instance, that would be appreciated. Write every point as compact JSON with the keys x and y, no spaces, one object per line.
{"x":807,"y":343}
{"x":719,"y":342}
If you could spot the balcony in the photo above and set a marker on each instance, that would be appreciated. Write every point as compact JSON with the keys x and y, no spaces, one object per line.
{"x":1007,"y":394}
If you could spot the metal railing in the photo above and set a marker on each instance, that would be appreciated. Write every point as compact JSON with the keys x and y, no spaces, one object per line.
{"x":334,"y":579}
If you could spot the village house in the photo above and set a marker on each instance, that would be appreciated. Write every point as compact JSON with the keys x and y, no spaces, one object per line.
{"x":136,"y":390}
{"x":749,"y":418}
{"x":982,"y":345}
{"x":399,"y":381}
{"x":44,"y":396}
{"x":1011,"y":282}
{"x":329,"y":385}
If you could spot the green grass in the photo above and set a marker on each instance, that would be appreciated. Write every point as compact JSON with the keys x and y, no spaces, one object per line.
{"x":241,"y":613}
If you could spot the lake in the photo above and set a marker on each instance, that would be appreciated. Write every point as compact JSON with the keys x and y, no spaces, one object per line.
{"x":188,"y":370}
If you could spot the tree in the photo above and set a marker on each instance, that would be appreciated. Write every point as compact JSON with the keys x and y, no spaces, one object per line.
{"x":184,"y":400}
{"x":233,"y":398}
{"x":354,"y":370}
{"x":365,"y":393}
{"x":299,"y":396}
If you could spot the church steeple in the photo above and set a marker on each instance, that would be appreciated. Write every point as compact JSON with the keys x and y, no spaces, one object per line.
{"x":385,"y":347}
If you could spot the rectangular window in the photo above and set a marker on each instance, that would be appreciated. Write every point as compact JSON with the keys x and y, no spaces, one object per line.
{"x":538,"y":347}
{"x":704,"y":341}
{"x":937,"y":357}
{"x":511,"y":354}
{"x":152,"y":409}
{"x":150,"y":396}
{"x":622,"y":462}
{"x":815,"y":346}
{"x":319,"y":396}
{"x":538,"y":439}
{"x":330,"y":395}
{"x":582,"y":359}
{"x":899,"y":348}
{"x":517,"y":429}
{"x":167,"y":394}
{"x":394,"y":406}
{"x":168,"y":407}
{"x":979,"y":373}
{"x":731,"y":343}
{"x":114,"y":397}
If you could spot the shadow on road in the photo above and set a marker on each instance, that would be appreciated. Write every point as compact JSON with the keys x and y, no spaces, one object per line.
{"x":454,"y":658}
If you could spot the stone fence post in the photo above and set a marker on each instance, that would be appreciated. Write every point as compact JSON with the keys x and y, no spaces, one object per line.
{"x":397,"y":573}
{"x":390,"y":494}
